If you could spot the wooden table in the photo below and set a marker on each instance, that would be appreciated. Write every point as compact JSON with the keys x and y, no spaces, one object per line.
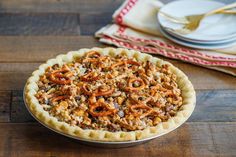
{"x":33,"y":31}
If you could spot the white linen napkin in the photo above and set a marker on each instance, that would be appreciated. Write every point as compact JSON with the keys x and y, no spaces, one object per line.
{"x":136,"y":28}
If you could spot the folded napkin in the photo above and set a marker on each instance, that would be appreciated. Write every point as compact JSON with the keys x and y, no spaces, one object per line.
{"x":136,"y":28}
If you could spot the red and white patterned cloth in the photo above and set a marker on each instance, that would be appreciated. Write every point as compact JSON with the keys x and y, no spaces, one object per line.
{"x":136,"y":28}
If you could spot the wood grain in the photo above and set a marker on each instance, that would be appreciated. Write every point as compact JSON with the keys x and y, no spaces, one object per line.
{"x":18,"y":67}
{"x":19,"y":113}
{"x":39,"y":24}
{"x":53,"y":23}
{"x":91,"y":22}
{"x":41,"y":48}
{"x":215,"y":105}
{"x":5,"y":102}
{"x":191,"y":139}
{"x":58,"y":6}
{"x":13,"y":80}
{"x":212,"y":106}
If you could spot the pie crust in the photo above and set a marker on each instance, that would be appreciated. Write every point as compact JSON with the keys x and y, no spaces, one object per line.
{"x":188,"y":95}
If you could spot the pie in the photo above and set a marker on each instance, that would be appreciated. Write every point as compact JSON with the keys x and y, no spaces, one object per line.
{"x":108,"y":94}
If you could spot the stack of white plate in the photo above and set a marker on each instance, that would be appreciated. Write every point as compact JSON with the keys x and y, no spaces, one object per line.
{"x":216,"y":31}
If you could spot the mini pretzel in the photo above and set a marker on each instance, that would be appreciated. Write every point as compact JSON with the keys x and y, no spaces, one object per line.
{"x":117,"y":64}
{"x":140,"y":114}
{"x":169,"y":93}
{"x":157,"y":88}
{"x":129,"y":61}
{"x":132,"y":62}
{"x":103,"y":58}
{"x":85,"y":89}
{"x":105,"y":110}
{"x":132,"y":88}
{"x":61,"y":76}
{"x":98,"y":61}
{"x":91,"y":76}
{"x":92,"y":57}
{"x":93,"y":54}
{"x":90,"y":60}
{"x":134,"y":98}
{"x":100,"y":92}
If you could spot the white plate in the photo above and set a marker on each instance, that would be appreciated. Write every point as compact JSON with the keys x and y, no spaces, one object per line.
{"x":194,"y":45}
{"x":213,"y":28}
{"x":198,"y":41}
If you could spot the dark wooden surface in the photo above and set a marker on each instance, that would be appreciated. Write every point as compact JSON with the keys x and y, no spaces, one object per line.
{"x":33,"y":31}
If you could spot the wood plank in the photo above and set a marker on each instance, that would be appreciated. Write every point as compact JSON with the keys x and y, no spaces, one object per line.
{"x":91,"y":22}
{"x":19,"y":113}
{"x":215,"y":105}
{"x":191,"y":139}
{"x":58,"y":6}
{"x":13,"y":80}
{"x":212,"y":106}
{"x":17,"y":49}
{"x":52,"y":23}
{"x":203,"y":78}
{"x":63,"y":6}
{"x":39,"y":24}
{"x":5,"y":101}
{"x":19,"y":67}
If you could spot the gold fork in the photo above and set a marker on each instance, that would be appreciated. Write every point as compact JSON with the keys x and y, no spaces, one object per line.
{"x":192,"y":22}
{"x":183,"y":20}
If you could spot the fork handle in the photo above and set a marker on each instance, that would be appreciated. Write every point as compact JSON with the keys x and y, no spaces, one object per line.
{"x":232,"y":5}
{"x":173,"y":18}
{"x":227,"y":12}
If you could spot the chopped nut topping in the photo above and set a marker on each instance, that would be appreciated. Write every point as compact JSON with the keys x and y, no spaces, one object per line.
{"x":109,"y":93}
